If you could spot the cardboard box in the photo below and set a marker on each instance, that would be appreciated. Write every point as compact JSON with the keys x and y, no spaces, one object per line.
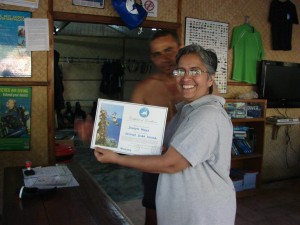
{"x":236,"y":109}
{"x":250,"y":179}
{"x":238,"y":184}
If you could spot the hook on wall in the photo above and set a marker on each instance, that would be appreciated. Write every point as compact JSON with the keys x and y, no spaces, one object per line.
{"x":247,"y":19}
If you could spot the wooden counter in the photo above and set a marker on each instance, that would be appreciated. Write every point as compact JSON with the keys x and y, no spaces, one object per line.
{"x":86,"y":204}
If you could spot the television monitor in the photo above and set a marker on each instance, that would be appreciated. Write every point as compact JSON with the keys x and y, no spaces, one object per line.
{"x":279,"y":83}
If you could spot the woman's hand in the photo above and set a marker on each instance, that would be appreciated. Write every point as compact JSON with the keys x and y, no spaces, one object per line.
{"x":105,"y":156}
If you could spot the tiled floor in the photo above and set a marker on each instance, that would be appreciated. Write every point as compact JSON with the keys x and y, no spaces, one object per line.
{"x":277,"y":203}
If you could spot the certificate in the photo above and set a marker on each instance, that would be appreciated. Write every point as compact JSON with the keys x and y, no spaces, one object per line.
{"x":129,"y":128}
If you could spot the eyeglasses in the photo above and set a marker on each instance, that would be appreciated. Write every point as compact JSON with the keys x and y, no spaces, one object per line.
{"x":192,"y":72}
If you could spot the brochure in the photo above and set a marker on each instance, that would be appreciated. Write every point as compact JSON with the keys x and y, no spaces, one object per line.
{"x":129,"y":128}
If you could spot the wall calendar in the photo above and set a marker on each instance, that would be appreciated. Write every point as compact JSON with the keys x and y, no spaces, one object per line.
{"x":210,"y":35}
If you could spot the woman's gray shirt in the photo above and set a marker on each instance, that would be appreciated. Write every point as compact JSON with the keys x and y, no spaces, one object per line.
{"x":203,"y":193}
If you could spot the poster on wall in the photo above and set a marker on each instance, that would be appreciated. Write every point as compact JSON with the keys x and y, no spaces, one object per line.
{"x":25,"y":3}
{"x":210,"y":35}
{"x":15,"y":111}
{"x":90,"y":3}
{"x":151,"y":7}
{"x":15,"y":60}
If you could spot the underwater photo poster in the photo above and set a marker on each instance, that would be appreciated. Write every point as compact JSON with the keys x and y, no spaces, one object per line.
{"x":15,"y":60}
{"x":15,"y":111}
{"x":129,"y":128}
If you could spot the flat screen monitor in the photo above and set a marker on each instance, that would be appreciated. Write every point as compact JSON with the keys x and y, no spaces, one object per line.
{"x":279,"y":83}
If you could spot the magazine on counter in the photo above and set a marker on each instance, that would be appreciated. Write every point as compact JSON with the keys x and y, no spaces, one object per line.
{"x":129,"y":128}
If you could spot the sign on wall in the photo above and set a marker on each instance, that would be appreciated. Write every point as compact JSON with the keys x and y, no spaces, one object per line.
{"x":210,"y":35}
{"x":25,"y":3}
{"x":90,"y":3}
{"x":15,"y":60}
{"x":15,"y":111}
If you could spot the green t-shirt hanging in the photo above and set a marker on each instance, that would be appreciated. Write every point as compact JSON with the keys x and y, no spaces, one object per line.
{"x":248,"y":49}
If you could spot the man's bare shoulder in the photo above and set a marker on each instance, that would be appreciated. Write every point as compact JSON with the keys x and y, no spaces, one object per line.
{"x":154,"y":78}
{"x":150,"y":90}
{"x":150,"y":81}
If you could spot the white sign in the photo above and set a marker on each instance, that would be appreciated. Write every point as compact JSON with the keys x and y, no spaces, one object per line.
{"x":151,"y":7}
{"x":37,"y":34}
{"x":129,"y":128}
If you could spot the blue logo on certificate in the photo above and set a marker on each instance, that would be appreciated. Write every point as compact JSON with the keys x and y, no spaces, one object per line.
{"x":144,"y":112}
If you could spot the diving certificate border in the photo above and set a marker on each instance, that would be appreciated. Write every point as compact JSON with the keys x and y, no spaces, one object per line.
{"x":129,"y":128}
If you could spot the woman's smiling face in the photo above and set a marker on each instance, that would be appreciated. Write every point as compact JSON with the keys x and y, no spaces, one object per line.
{"x":193,"y":87}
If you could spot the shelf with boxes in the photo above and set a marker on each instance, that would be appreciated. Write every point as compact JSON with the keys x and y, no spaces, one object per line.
{"x":249,"y":120}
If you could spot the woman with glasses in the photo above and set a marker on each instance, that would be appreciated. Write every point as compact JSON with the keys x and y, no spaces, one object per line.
{"x":194,"y":187}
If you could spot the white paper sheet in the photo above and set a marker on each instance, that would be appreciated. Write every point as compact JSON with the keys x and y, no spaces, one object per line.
{"x":49,"y":177}
{"x":37,"y":34}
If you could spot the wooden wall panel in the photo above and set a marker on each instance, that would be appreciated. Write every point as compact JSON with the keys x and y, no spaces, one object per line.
{"x":38,"y":152}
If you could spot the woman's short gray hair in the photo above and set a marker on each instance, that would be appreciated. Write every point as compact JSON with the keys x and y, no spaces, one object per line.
{"x":208,"y":56}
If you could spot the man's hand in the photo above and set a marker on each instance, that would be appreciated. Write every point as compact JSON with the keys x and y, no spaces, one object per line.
{"x":84,"y":128}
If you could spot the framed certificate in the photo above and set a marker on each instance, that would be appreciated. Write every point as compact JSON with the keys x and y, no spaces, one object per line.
{"x":129,"y":128}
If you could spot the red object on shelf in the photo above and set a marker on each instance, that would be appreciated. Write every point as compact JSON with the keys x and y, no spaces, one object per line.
{"x":64,"y":152}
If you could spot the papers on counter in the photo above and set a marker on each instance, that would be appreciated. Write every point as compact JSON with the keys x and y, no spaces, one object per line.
{"x":49,"y":177}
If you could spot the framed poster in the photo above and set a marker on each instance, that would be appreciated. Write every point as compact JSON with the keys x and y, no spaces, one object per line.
{"x":129,"y":128}
{"x":210,"y":35}
{"x":25,"y":3}
{"x":15,"y":111}
{"x":15,"y":61}
{"x":90,"y":3}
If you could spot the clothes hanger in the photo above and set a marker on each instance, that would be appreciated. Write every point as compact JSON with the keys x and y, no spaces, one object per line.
{"x":247,"y":21}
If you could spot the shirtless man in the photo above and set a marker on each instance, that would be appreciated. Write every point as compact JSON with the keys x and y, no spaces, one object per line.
{"x":158,"y":89}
